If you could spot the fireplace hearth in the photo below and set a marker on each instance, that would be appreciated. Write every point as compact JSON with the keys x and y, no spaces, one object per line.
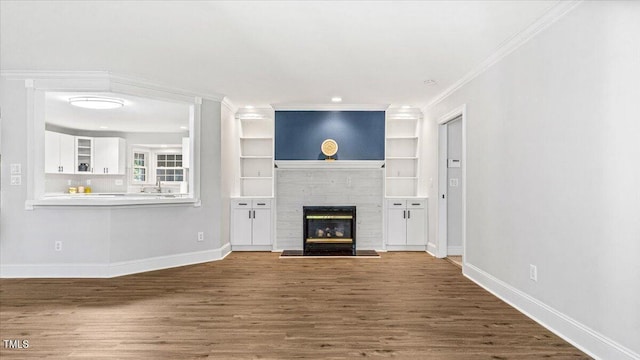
{"x":329,"y":230}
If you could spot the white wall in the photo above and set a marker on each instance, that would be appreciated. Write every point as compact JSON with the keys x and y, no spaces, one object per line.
{"x":553,"y":147}
{"x":96,"y":238}
{"x":230,"y":147}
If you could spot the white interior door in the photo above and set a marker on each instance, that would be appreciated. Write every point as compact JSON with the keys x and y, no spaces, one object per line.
{"x":454,"y":187}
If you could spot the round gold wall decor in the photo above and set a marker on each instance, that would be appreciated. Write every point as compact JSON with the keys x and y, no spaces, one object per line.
{"x":329,"y":147}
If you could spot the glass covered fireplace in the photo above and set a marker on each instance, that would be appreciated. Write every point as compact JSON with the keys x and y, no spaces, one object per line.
{"x":329,"y":230}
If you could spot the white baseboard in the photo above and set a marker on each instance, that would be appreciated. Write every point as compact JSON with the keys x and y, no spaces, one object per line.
{"x":454,"y":250}
{"x":112,"y":269}
{"x":406,"y":248}
{"x":431,"y":249}
{"x":579,"y":335}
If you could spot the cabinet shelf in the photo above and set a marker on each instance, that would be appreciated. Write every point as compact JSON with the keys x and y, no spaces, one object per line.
{"x":256,"y":157}
{"x":256,"y":140}
{"x":402,"y":178}
{"x":402,"y":158}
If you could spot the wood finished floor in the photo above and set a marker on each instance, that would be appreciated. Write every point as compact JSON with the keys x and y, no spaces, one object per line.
{"x":256,"y":306}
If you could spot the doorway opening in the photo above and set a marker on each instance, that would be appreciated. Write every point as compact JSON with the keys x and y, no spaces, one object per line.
{"x":452,"y":184}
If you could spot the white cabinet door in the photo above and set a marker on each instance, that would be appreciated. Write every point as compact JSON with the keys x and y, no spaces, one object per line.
{"x":415,"y":226}
{"x":52,"y":152}
{"x":396,"y":226}
{"x":67,"y":153}
{"x":261,"y":227}
{"x":241,"y":226}
{"x":108,"y":155}
{"x":59,"y":153}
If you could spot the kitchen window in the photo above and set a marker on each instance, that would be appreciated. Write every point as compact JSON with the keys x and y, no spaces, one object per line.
{"x":140,"y":167}
{"x":169,"y":167}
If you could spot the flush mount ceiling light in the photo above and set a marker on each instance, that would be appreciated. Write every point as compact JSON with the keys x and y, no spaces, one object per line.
{"x":336,"y":99}
{"x":96,"y":102}
{"x":430,"y":82}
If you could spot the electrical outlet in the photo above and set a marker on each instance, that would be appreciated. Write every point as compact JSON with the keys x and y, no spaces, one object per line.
{"x":533,"y":272}
{"x":58,"y":245}
{"x":119,"y":182}
{"x":16,"y":179}
{"x":88,"y":181}
{"x":68,"y":182}
{"x":200,"y":236}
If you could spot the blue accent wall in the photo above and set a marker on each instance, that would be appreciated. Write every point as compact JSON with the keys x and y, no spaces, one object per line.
{"x":359,"y":134}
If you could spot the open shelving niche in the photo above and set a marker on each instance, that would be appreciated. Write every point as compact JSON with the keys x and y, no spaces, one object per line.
{"x":256,"y":127}
{"x":402,"y":168}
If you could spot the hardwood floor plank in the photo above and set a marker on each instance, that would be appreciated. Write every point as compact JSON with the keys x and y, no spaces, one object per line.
{"x":256,"y":306}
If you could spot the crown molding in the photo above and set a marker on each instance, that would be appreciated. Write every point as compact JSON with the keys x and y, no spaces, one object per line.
{"x":400,"y":113}
{"x":330,"y":107}
{"x":226,"y":102}
{"x":113,"y":78}
{"x":554,"y":14}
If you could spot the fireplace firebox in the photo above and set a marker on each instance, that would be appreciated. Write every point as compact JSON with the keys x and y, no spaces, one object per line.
{"x":329,"y":230}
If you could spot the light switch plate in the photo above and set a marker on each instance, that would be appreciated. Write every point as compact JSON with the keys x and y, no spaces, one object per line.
{"x":16,"y":169}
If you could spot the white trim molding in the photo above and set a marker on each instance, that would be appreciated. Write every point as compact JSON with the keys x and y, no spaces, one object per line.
{"x":507,"y":47}
{"x":324,"y":164}
{"x":111,"y":270}
{"x":330,"y":107}
{"x":441,"y":230}
{"x":579,"y":335}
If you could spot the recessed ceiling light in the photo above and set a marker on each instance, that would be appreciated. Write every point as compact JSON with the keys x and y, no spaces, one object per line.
{"x":430,"y":82}
{"x":183,"y":127}
{"x":96,"y":102}
{"x":103,"y":127}
{"x":405,"y":106}
{"x":249,"y":107}
{"x":336,"y":99}
{"x":164,"y":146}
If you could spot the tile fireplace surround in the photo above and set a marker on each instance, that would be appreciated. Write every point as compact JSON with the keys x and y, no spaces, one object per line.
{"x":295,"y":188}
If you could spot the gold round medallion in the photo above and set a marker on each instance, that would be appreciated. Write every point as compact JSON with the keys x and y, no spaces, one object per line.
{"x":329,"y":147}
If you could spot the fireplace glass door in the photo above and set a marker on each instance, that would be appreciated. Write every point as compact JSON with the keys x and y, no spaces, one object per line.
{"x":329,"y":230}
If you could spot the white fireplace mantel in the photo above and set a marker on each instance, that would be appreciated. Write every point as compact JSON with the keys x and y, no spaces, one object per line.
{"x":329,"y":164}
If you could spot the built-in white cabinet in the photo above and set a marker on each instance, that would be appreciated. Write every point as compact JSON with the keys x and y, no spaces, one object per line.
{"x":256,"y":153}
{"x":406,"y":227}
{"x":59,"y":153}
{"x":68,"y":154}
{"x":109,"y":156}
{"x":402,"y":150}
{"x":84,"y":154}
{"x":251,"y":224}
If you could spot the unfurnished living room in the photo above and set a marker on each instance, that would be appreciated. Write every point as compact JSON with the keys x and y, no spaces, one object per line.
{"x":320,"y":179}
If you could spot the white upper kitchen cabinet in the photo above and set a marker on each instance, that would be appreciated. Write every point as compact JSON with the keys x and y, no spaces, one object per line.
{"x":109,"y":155}
{"x":59,"y":153}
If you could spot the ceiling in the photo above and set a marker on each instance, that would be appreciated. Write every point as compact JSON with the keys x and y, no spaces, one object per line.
{"x":137,"y":115}
{"x":269,"y":52}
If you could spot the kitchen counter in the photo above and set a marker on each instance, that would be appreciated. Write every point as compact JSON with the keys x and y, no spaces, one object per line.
{"x":111,"y":199}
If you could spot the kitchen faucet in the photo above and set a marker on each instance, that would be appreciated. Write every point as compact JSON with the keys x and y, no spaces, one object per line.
{"x":159,"y":185}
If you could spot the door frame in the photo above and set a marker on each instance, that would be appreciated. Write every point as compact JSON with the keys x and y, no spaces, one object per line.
{"x":441,"y":250}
